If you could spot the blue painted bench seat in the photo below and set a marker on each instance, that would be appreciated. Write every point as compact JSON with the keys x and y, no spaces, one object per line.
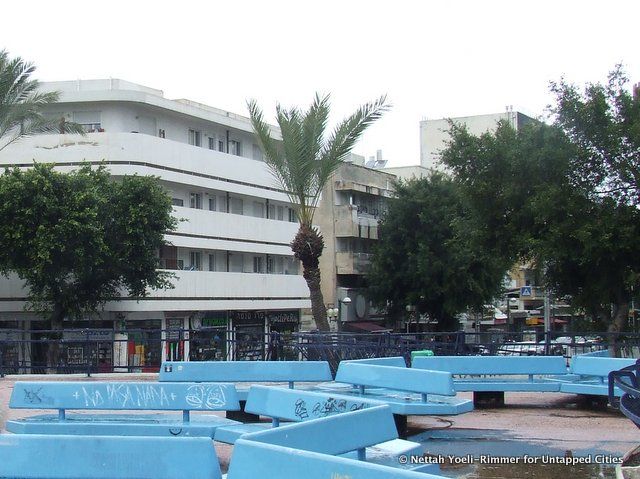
{"x":251,"y":372}
{"x":295,"y":405}
{"x":489,"y":377}
{"x":407,"y":391}
{"x":589,"y":375}
{"x":315,"y":448}
{"x":122,"y":396}
{"x":106,"y":457}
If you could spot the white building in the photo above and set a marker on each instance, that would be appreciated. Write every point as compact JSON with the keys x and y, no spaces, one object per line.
{"x":434,"y":134}
{"x":234,"y":266}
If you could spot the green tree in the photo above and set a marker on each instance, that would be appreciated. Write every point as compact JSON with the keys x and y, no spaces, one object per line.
{"x":428,"y":256}
{"x":79,"y":239}
{"x":303,"y":162}
{"x":603,"y":123}
{"x":21,"y":103}
{"x":530,"y":188}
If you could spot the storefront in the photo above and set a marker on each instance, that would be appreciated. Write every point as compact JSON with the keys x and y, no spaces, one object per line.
{"x":90,"y":347}
{"x":282,"y":325}
{"x":144,"y":344}
{"x":208,"y":340}
{"x":248,"y":329}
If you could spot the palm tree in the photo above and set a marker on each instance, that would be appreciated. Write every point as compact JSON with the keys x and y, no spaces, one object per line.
{"x":21,"y":104}
{"x":303,"y":162}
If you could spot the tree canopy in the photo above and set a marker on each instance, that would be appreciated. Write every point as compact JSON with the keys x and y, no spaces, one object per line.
{"x":563,"y":195}
{"x":302,"y":163}
{"x":78,"y":239}
{"x":428,"y":256}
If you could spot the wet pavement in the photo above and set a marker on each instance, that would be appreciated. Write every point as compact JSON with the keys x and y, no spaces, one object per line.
{"x":519,"y":440}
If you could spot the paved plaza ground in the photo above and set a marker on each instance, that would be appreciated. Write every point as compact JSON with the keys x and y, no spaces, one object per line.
{"x":538,"y":424}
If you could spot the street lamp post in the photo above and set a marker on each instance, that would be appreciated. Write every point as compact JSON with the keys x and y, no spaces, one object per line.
{"x":332,"y":314}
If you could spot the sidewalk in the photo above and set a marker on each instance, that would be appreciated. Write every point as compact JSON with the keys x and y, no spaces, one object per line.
{"x":534,"y":424}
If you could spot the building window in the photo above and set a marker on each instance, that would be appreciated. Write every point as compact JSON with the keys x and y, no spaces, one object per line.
{"x":177,"y":201}
{"x":212,"y":203}
{"x":89,"y":120}
{"x":195,"y":200}
{"x":221,"y":146}
{"x":212,"y":262}
{"x":292,"y":216}
{"x":258,"y":264}
{"x":272,"y":212}
{"x":161,"y":133}
{"x":195,"y":260}
{"x":195,"y":138}
{"x":212,"y":143}
{"x":281,"y":213}
{"x":257,"y":153}
{"x":235,"y":148}
{"x":223,"y":204}
{"x":258,"y":209}
{"x":236,"y":206}
{"x":270,"y":264}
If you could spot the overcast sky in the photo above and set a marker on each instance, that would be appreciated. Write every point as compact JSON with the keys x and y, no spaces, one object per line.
{"x":433,"y":59}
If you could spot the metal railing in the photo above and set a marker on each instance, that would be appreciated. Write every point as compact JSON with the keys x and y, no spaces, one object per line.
{"x":90,"y":351}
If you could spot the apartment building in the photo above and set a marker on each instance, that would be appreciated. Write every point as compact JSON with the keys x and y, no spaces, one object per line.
{"x":434,"y":134}
{"x":234,"y":268}
{"x":352,"y":203}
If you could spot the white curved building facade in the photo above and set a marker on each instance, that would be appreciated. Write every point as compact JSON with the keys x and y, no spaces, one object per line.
{"x":234,"y":267}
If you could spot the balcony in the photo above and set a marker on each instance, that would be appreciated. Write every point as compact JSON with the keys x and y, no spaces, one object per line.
{"x":196,"y":290}
{"x":129,"y":153}
{"x":348,"y":223}
{"x":225,"y":231}
{"x":353,"y":263}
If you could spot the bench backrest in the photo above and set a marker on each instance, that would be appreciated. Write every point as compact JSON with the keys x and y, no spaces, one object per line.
{"x":245,"y":371}
{"x":403,"y":379}
{"x":253,"y":459}
{"x":598,"y":366}
{"x":121,"y":457}
{"x":337,"y":434}
{"x":124,"y":396}
{"x":493,"y":364}
{"x":300,"y":405}
{"x":396,"y":361}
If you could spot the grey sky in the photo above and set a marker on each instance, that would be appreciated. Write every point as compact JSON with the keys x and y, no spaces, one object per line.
{"x":433,"y":58}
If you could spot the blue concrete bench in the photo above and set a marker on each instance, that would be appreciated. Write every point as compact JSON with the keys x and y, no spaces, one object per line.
{"x":122,"y":396}
{"x":589,"y":377}
{"x":295,"y":405}
{"x":407,"y":391}
{"x":314,"y":449}
{"x":489,"y":377}
{"x":251,"y":372}
{"x":101,"y":457}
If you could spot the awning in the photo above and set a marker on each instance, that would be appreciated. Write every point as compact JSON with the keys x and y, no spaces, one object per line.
{"x":367,"y":327}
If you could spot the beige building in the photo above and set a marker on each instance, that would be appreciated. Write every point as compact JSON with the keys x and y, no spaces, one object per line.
{"x":352,"y":203}
{"x":434,"y":134}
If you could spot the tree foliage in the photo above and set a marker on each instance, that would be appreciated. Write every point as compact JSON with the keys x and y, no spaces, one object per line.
{"x":21,"y":103}
{"x":428,"y":255}
{"x":302,"y":163}
{"x":603,"y":122}
{"x":78,"y":239}
{"x":562,"y":194}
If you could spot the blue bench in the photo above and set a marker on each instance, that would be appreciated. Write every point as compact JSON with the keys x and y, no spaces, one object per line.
{"x":589,"y":377}
{"x":489,"y":377}
{"x":407,"y":391}
{"x":101,"y":457}
{"x":122,"y":396}
{"x":314,"y":449}
{"x":295,"y":405}
{"x":251,"y":372}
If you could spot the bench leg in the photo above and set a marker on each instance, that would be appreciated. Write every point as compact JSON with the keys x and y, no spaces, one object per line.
{"x":241,"y":415}
{"x":401,"y":425}
{"x":488,"y":399}
{"x":592,"y":401}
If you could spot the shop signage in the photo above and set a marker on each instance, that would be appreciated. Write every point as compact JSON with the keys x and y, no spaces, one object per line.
{"x":88,"y":334}
{"x":247,"y":317}
{"x":277,"y":317}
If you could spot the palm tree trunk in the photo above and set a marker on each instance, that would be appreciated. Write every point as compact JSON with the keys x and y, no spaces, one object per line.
{"x":312,"y":276}
{"x":307,"y":246}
